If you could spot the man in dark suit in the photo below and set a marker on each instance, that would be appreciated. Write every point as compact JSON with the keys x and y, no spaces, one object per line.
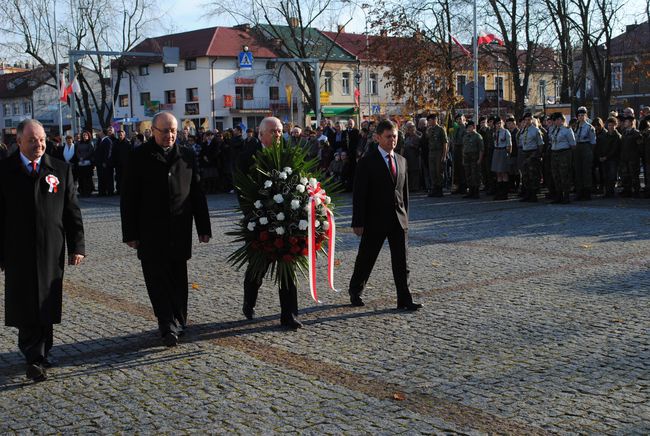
{"x":39,"y":216}
{"x":270,"y":132}
{"x":161,"y":197}
{"x":380,"y":211}
{"x":104,"y":163}
{"x":121,"y":150}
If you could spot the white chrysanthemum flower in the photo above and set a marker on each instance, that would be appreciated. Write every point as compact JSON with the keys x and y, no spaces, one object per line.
{"x":268,"y":184}
{"x":258,"y":204}
{"x":283,"y":175}
{"x":307,"y":207}
{"x":318,"y":201}
{"x":300,"y":188}
{"x":251,"y":225}
{"x":328,"y":200}
{"x":313,"y":182}
{"x":317,"y":224}
{"x":280,"y":216}
{"x":278,"y":198}
{"x":279,"y":230}
{"x":295,"y":204}
{"x":287,"y":170}
{"x":264,"y":220}
{"x":303,"y":224}
{"x":303,"y":180}
{"x":326,"y":225}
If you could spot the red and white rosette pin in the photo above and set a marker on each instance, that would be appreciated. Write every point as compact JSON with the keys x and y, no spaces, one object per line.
{"x":318,"y":197}
{"x":53,"y":181}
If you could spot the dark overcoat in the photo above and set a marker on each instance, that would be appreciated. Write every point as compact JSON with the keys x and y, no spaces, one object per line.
{"x":161,"y":197}
{"x":35,"y":226}
{"x":377,"y":199}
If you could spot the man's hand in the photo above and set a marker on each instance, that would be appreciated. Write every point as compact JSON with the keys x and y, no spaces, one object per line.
{"x":204,"y":238}
{"x":75,"y":259}
{"x":133,"y":244}
{"x":357,"y":230}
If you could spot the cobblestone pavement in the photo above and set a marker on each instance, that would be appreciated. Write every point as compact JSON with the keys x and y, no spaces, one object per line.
{"x":536,"y":321}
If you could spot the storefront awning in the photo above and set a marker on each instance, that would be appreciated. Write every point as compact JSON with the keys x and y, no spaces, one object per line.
{"x":335,"y":111}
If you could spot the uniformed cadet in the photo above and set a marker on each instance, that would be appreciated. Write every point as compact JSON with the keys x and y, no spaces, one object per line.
{"x":457,"y":153}
{"x":644,"y":128}
{"x":583,"y":155}
{"x":501,"y":159}
{"x":472,"y":158}
{"x":562,"y":142}
{"x":630,"y":158}
{"x":549,"y":125}
{"x":486,"y":130}
{"x":437,"y":143}
{"x":531,"y":142}
{"x":511,"y":125}
{"x":607,"y":151}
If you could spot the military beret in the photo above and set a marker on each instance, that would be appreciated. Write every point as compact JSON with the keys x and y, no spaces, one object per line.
{"x":581,"y":110}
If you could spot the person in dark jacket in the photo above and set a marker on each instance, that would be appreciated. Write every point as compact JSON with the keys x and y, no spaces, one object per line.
{"x":161,"y":198}
{"x":39,"y":216}
{"x":85,"y":152}
{"x":121,"y":150}
{"x":608,"y":149}
{"x":104,"y":162}
{"x":68,"y":154}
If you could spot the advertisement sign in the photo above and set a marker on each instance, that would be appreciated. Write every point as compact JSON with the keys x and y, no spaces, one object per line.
{"x":227,"y":101}
{"x":324,"y":97}
{"x":151,"y":108}
{"x":191,"y":108}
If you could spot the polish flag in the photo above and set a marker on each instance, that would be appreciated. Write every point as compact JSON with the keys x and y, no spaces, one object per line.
{"x":69,"y":90}
{"x":461,"y":46}
{"x":488,"y":38}
{"x":357,"y":94}
{"x":63,"y":90}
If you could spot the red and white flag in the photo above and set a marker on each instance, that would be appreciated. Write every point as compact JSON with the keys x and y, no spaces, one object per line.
{"x":461,"y":46}
{"x":488,"y":38}
{"x":63,"y":90}
{"x":69,"y":90}
{"x":357,"y":95}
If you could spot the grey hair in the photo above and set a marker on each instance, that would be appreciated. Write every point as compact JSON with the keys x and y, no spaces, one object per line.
{"x":24,"y":123}
{"x":160,"y":114}
{"x":266,"y":122}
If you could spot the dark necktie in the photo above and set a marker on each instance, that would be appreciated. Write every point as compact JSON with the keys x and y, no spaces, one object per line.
{"x":34,"y":165}
{"x":391,"y":165}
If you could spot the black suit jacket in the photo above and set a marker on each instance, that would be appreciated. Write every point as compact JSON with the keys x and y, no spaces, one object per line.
{"x":161,"y":197}
{"x":104,"y":152}
{"x":35,"y":226}
{"x":376,"y":199}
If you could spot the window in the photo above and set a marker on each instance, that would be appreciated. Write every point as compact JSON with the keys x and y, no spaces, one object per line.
{"x":481,"y":81}
{"x":170,"y":96}
{"x":6,"y":109}
{"x":167,"y":70}
{"x":498,"y":85}
{"x":143,"y":70}
{"x":192,"y":94}
{"x":145,"y":98}
{"x":16,"y":108}
{"x":190,"y":64}
{"x":372,"y":84}
{"x":244,"y":92}
{"x":345,"y":83}
{"x":27,"y":107}
{"x":542,"y":91}
{"x":328,"y":81}
{"x":274,"y":93}
{"x":123,"y":100}
{"x":461,"y":80}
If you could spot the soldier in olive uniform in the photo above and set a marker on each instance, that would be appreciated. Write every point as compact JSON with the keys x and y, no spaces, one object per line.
{"x":531,"y":142}
{"x":437,"y":143}
{"x":608,"y":148}
{"x":546,"y":157}
{"x":472,"y":158}
{"x":562,"y":142}
{"x":486,"y":130}
{"x":630,"y":158}
{"x":459,"y":173}
{"x":583,"y":155}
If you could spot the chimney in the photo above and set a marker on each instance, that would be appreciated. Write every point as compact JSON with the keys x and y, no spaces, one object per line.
{"x":294,"y":22}
{"x":341,"y":28}
{"x":630,"y":27}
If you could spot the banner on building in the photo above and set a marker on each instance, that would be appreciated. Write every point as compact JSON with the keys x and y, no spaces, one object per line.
{"x":617,"y":77}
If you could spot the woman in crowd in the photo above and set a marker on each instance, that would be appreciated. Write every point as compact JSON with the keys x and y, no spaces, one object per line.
{"x":501,"y":158}
{"x":85,"y":151}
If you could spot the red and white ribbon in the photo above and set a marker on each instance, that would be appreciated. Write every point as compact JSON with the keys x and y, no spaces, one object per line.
{"x":53,"y":181}
{"x":318,"y":196}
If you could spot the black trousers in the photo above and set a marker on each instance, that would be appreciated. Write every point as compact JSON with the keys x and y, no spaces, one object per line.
{"x":288,"y":296}
{"x":369,"y":248}
{"x":166,"y":282}
{"x":35,"y":342}
{"x":105,"y":179}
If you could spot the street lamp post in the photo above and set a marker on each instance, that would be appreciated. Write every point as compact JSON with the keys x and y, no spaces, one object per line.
{"x":58,"y":76}
{"x":498,"y":88}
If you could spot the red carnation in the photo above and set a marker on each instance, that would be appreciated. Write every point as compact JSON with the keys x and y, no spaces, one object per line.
{"x":305,"y":252}
{"x":293,"y":240}
{"x":295,"y":249}
{"x":264,"y":235}
{"x":318,"y":246}
{"x":279,"y":243}
{"x":287,"y":258}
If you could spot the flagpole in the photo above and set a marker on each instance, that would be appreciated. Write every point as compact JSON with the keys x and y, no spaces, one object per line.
{"x":58,"y":76}
{"x":475,"y":44}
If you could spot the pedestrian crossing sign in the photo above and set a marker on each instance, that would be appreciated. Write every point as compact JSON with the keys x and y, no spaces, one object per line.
{"x":245,"y":60}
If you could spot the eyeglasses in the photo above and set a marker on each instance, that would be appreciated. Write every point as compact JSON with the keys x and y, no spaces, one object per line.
{"x":165,"y":131}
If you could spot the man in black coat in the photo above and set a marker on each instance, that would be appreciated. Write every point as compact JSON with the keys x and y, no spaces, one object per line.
{"x":121,"y":150}
{"x":39,"y":216}
{"x":380,"y":211}
{"x":104,"y":162}
{"x":270,"y":132}
{"x":161,"y":197}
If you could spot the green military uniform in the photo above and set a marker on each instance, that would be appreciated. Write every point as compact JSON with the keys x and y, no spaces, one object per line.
{"x":562,"y":141}
{"x":488,"y":176}
{"x":607,"y":151}
{"x":459,"y":173}
{"x":531,"y":143}
{"x":630,"y":162}
{"x":472,"y":152}
{"x":436,"y":140}
{"x":546,"y":163}
{"x":583,"y":156}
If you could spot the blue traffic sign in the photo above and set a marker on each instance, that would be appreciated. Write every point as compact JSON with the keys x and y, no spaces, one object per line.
{"x":245,"y":60}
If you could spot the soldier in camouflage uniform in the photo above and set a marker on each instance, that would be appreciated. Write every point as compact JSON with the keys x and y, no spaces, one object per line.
{"x":630,"y":157}
{"x":583,"y":155}
{"x":531,"y":142}
{"x":472,"y":158}
{"x":457,"y":150}
{"x":436,"y":137}
{"x":562,"y":142}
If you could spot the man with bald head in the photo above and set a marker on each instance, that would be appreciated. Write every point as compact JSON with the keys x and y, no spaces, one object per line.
{"x":161,"y":198}
{"x":39,"y":216}
{"x":270,"y":134}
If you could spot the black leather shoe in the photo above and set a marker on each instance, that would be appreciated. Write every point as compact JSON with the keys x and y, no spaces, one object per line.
{"x":357,"y":302}
{"x":410,"y":306}
{"x":35,"y":372}
{"x":248,"y":311}
{"x":47,"y":363}
{"x":291,"y":323}
{"x":170,"y":339}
